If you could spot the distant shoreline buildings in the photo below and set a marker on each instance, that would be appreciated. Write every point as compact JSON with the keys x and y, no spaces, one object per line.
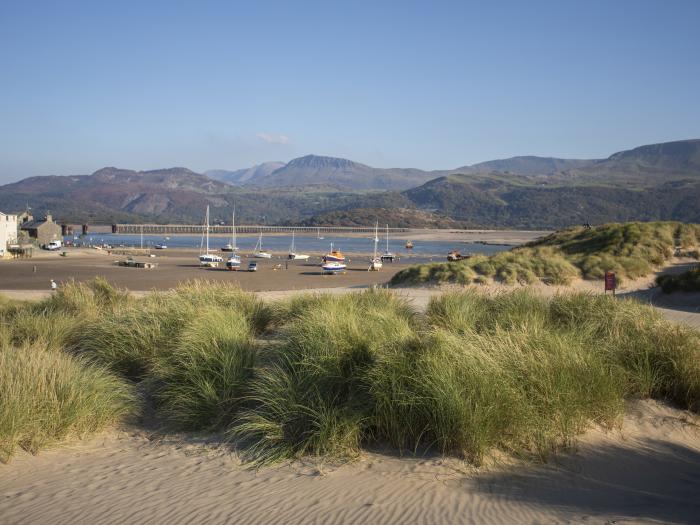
{"x":22,"y":227}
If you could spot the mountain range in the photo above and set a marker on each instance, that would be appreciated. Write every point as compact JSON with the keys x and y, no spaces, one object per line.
{"x":657,"y":181}
{"x":328,"y":172}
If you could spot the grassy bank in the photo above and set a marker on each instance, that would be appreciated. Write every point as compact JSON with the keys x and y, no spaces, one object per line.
{"x":683,"y":282}
{"x":331,"y":375}
{"x":631,"y":250}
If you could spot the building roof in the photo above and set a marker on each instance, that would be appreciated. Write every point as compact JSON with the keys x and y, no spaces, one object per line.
{"x":31,"y":225}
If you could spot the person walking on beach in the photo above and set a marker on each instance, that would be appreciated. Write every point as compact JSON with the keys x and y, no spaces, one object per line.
{"x":54,"y":286}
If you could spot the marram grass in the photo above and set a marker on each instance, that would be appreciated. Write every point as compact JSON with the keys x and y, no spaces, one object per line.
{"x":47,"y":396}
{"x":516,"y":371}
{"x":331,"y":374}
{"x":203,"y":380}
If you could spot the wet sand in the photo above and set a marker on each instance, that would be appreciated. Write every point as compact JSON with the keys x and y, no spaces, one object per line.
{"x":180,"y":265}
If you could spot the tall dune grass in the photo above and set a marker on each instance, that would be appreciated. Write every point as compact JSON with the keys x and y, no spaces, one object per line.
{"x":47,"y":396}
{"x":317,"y":397}
{"x":515,"y":371}
{"x":330,"y":374}
{"x":133,"y":338}
{"x":203,"y":381}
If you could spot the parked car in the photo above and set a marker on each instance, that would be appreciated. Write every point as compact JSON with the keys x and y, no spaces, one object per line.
{"x":54,"y":245}
{"x":252,"y":266}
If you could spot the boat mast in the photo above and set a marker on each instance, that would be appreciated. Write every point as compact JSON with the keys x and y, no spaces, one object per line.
{"x":387,"y":238}
{"x":291,"y":248}
{"x":207,"y":229}
{"x":233,"y":229}
{"x":376,"y":239}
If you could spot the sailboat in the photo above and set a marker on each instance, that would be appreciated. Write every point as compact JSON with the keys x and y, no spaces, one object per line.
{"x":234,"y":261}
{"x":387,"y":255}
{"x":318,"y":234}
{"x":259,"y":253}
{"x":206,"y":258}
{"x":231,"y":246}
{"x":376,"y":263}
{"x":334,"y":256}
{"x":294,"y":255}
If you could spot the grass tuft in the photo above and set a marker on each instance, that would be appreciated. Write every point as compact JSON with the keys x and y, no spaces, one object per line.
{"x":47,"y":396}
{"x":204,"y":379}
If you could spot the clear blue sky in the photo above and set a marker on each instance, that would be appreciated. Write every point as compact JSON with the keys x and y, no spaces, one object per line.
{"x":430,"y":84}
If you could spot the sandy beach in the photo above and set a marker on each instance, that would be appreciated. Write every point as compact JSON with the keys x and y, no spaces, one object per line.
{"x":647,"y":471}
{"x":175,"y":266}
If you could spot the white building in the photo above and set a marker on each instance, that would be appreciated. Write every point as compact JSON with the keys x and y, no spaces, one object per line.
{"x":8,"y":232}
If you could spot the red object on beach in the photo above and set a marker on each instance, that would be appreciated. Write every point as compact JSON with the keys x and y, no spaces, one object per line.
{"x":610,"y":282}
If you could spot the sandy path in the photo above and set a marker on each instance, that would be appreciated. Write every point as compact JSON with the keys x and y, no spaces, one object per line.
{"x":648,"y":472}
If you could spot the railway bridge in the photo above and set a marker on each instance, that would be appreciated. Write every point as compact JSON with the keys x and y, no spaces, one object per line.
{"x":173,"y":229}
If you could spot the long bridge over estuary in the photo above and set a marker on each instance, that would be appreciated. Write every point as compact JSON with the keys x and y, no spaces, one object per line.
{"x":174,"y":229}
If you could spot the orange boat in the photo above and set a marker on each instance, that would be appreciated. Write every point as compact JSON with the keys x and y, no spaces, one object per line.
{"x":334,"y":256}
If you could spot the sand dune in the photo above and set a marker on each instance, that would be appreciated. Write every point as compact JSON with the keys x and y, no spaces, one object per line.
{"x":648,"y":472}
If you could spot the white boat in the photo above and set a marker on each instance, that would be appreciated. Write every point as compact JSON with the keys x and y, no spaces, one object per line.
{"x":205,"y":257}
{"x":231,"y":246}
{"x":387,"y":255}
{"x":258,"y":252}
{"x":294,"y":255}
{"x":318,"y":234}
{"x":233,"y":262}
{"x":333,"y":267}
{"x":376,"y":263}
{"x":161,"y":246}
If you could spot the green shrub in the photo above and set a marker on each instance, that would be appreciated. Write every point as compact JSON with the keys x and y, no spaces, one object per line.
{"x":47,"y":396}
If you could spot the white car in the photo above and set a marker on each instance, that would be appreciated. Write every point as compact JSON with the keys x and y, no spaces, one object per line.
{"x":54,"y":245}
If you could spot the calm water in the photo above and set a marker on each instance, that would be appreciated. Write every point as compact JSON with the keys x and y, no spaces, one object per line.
{"x":311,"y":244}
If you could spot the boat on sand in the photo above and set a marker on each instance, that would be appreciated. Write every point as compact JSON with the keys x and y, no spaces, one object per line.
{"x":206,"y":258}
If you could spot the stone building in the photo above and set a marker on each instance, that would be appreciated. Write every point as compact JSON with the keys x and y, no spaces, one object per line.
{"x":43,"y":231}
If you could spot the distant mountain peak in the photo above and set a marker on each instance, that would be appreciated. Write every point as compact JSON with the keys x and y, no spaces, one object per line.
{"x":320,"y":161}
